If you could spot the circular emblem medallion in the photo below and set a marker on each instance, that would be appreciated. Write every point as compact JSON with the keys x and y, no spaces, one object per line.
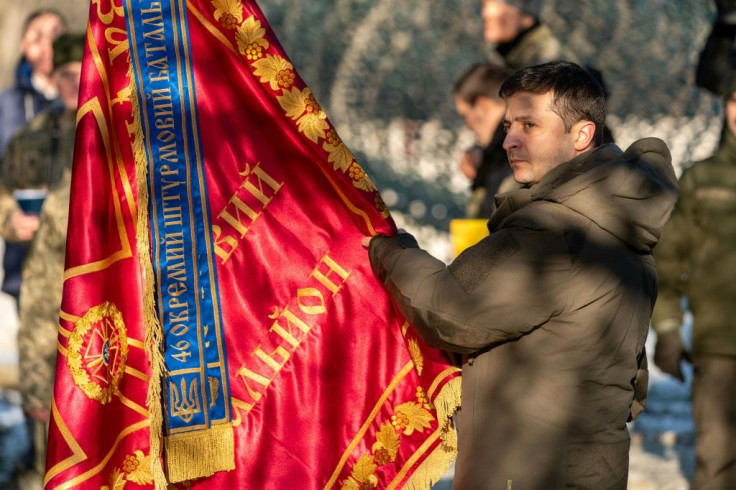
{"x":98,"y":349}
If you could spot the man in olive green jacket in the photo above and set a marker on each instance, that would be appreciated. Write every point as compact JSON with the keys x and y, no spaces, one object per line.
{"x":697,"y":259}
{"x":552,"y":309}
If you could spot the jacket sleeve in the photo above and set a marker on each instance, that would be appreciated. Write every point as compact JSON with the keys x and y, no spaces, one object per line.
{"x":672,"y":255}
{"x":496,"y":291}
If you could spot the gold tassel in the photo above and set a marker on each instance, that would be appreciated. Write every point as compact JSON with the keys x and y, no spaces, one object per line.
{"x":201,"y":453}
{"x":154,"y":332}
{"x":439,"y":461}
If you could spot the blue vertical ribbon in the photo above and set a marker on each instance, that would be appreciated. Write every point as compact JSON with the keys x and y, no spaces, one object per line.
{"x":196,"y":382}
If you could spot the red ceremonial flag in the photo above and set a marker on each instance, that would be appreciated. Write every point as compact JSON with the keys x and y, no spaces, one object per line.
{"x":221,"y":326}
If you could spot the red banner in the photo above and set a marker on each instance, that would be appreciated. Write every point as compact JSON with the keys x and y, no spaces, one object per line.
{"x":328,"y":387}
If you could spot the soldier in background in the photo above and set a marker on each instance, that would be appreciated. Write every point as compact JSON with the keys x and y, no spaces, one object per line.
{"x":519,"y":36}
{"x":40,"y":156}
{"x":696,"y":258}
{"x":485,"y":164}
{"x":40,"y":300}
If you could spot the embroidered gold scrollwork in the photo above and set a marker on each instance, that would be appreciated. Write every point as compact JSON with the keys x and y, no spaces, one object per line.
{"x":301,"y":106}
{"x":136,"y":468}
{"x":275,"y":71}
{"x":409,"y":417}
{"x":98,"y":350}
{"x":228,"y":12}
{"x":250,"y":38}
{"x":416,"y":355}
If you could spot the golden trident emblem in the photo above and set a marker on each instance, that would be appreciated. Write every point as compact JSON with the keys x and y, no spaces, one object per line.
{"x":184,"y":405}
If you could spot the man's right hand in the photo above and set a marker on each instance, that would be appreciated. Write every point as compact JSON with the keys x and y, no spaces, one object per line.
{"x":668,"y":353}
{"x":24,"y":225}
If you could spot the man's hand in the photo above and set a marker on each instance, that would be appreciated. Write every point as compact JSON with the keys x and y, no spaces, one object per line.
{"x":470,"y":161}
{"x":366,"y":240}
{"x":668,"y":353}
{"x":24,"y":225}
{"x":41,"y":414}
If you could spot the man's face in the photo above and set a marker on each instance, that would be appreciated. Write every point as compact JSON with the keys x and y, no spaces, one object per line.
{"x":536,"y":141}
{"x":502,"y":22}
{"x":731,"y":113}
{"x":38,"y":40}
{"x":67,"y":78}
{"x":482,"y":118}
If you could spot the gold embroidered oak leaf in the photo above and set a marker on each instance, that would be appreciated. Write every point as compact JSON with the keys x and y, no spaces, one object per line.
{"x":362,"y":476}
{"x":229,"y":12}
{"x":340,"y":155}
{"x":387,"y":439}
{"x":417,"y":417}
{"x":301,"y":106}
{"x":365,"y":184}
{"x":416,"y":355}
{"x":249,"y":37}
{"x":381,"y":206}
{"x":117,"y":481}
{"x":274,"y":69}
{"x":140,"y":471}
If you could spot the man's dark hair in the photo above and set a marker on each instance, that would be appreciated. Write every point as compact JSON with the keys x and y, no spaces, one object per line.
{"x":480,"y":80}
{"x":38,"y":13}
{"x":577,"y":94}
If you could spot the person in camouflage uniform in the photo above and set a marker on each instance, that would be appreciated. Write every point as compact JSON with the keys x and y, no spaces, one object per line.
{"x":520,"y":38}
{"x":697,"y":258}
{"x":40,"y":156}
{"x":40,"y":299}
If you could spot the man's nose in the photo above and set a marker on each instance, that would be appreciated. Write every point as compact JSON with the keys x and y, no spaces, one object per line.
{"x":511,"y":141}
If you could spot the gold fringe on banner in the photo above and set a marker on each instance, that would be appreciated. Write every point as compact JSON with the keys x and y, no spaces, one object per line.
{"x":439,"y":461}
{"x":154,"y":333}
{"x":200,"y":453}
{"x":183,"y":453}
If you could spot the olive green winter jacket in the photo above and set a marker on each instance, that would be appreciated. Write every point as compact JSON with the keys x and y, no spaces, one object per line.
{"x":697,"y":255}
{"x":552,"y":311}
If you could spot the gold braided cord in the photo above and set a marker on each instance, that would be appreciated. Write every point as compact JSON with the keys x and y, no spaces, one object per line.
{"x":153,"y":331}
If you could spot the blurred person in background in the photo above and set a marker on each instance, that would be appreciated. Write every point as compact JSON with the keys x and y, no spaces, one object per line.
{"x":485,"y":164}
{"x":696,"y":258}
{"x":32,"y":92}
{"x":521,"y":39}
{"x":40,"y":301}
{"x":519,"y":36}
{"x":39,"y":156}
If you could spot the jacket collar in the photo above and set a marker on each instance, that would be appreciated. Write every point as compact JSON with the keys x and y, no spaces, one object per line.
{"x":552,"y":182}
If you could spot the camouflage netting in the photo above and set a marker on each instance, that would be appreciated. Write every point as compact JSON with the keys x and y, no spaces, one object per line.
{"x":383,"y":69}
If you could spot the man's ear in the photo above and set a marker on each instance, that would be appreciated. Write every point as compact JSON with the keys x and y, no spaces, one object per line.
{"x":584,"y":132}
